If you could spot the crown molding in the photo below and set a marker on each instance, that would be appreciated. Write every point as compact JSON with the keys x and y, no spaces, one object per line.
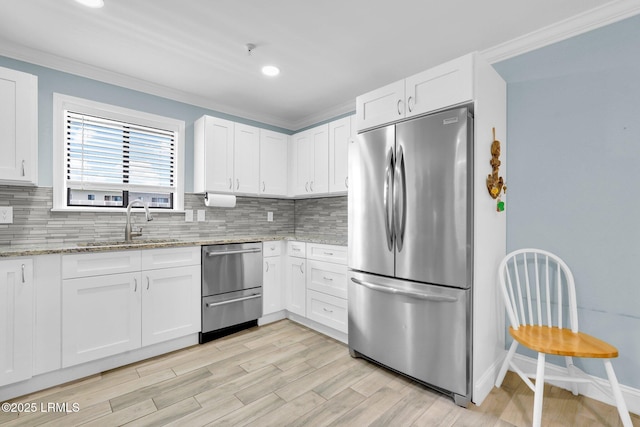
{"x":44,"y":59}
{"x":562,"y":30}
{"x":581,"y":23}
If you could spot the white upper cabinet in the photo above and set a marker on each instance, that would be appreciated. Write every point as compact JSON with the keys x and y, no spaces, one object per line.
{"x":18,"y":127}
{"x":246,"y":159}
{"x":340,"y":133}
{"x":213,"y":155}
{"x":311,"y":157}
{"x":273,"y":163}
{"x":226,"y":157}
{"x":440,"y":87}
{"x":448,"y":84}
{"x":383,"y":105}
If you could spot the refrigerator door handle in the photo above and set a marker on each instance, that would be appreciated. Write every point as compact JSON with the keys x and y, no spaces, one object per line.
{"x":395,"y":291}
{"x":388,"y":201}
{"x":400,"y":199}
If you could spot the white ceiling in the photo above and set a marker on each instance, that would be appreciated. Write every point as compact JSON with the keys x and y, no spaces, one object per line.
{"x":329,"y":51}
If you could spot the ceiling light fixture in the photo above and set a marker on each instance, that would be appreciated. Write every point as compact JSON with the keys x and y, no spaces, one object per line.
{"x":270,"y":70}
{"x":95,"y":4}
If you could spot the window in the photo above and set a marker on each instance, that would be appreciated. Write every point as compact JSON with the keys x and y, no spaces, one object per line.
{"x":108,"y":156}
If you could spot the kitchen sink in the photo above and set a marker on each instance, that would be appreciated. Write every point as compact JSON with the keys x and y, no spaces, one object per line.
{"x":125,"y":243}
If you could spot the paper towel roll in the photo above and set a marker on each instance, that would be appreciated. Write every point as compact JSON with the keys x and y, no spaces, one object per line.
{"x":219,"y":200}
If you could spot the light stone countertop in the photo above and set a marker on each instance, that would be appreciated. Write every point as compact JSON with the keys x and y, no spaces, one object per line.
{"x":8,"y":251}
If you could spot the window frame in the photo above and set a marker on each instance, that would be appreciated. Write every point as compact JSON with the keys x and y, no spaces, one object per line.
{"x":84,"y":106}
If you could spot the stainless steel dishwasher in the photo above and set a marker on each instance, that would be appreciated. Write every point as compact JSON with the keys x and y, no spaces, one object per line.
{"x":231,"y":288}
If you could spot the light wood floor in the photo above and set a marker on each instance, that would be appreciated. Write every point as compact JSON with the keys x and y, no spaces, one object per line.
{"x":284,"y":374}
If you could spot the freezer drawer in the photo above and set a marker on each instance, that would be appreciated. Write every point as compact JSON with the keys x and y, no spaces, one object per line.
{"x":233,"y":308}
{"x":420,"y":330}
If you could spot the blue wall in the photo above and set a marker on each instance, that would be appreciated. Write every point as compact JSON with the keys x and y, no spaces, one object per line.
{"x":573,"y":155}
{"x":50,"y":81}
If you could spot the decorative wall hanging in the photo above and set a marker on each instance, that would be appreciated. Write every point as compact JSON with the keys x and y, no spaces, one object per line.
{"x":495,"y":183}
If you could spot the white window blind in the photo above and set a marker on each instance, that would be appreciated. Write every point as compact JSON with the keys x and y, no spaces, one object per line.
{"x":113,"y":155}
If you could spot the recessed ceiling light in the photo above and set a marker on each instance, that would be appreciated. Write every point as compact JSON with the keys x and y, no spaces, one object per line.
{"x":96,"y":4}
{"x":270,"y":70}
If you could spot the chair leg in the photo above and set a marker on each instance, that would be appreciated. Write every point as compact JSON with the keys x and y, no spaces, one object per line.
{"x":617,"y":394}
{"x":505,"y":364}
{"x":569,"y":362}
{"x":537,"y":400}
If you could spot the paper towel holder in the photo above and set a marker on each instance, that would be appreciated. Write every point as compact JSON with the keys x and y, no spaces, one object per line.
{"x":219,"y":200}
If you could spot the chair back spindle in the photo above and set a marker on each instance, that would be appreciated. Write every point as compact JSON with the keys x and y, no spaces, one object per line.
{"x":530,"y":278}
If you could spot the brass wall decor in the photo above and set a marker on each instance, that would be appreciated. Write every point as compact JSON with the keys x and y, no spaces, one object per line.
{"x":495,"y":183}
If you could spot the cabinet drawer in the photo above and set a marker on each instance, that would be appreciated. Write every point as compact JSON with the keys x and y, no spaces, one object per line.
{"x":329,"y":253}
{"x":98,"y":264}
{"x":327,"y":278}
{"x":328,"y":310}
{"x":296,"y":249}
{"x":170,"y":257}
{"x":271,"y":248}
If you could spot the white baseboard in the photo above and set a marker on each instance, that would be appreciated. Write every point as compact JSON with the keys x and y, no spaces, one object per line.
{"x":631,"y":395}
{"x":272,"y":317}
{"x":483,"y":386}
{"x":337,"y":335}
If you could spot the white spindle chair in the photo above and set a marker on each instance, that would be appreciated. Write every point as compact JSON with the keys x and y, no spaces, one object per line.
{"x":536,"y":286}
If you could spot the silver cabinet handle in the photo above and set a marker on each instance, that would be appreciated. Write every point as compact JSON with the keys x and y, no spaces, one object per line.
{"x":327,"y":310}
{"x":266,"y":265}
{"x":263,"y":187}
{"x":135,"y":281}
{"x":328,"y":253}
{"x":399,"y":103}
{"x":394,"y":291}
{"x":239,"y":251}
{"x":346,"y":182}
{"x":237,"y":184}
{"x":409,"y":103}
{"x":23,"y":279}
{"x":328,"y":279}
{"x":306,"y":186}
{"x":301,"y":270}
{"x":23,"y":173}
{"x":147,"y":282}
{"x":311,"y":186}
{"x":230,"y":184}
{"x":215,"y":304}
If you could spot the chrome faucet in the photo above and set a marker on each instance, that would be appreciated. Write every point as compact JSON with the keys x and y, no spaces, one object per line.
{"x":128,"y":234}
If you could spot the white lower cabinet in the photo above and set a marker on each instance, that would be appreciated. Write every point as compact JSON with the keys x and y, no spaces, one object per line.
{"x":16,"y":320}
{"x":328,"y":310}
{"x":107,"y":314}
{"x":272,"y":286}
{"x":295,"y":287}
{"x":100,"y":317}
{"x":170,"y":303}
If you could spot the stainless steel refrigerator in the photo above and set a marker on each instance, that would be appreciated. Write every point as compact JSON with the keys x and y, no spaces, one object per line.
{"x":410,"y":249}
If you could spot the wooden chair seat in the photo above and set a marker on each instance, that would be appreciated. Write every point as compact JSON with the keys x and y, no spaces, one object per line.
{"x":562,"y":342}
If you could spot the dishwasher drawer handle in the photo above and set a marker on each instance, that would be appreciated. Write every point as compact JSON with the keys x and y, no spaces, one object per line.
{"x":215,"y":304}
{"x":394,"y":291}
{"x":234,"y":252}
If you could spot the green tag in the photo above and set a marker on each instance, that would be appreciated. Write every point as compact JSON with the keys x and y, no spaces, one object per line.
{"x":500,"y":206}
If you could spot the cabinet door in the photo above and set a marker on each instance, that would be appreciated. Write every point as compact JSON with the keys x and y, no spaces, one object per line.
{"x":272,"y":292}
{"x":16,"y":320}
{"x":246,"y":159}
{"x":380,"y":106}
{"x":100,"y":316}
{"x":295,"y":288}
{"x":445,"y":85}
{"x":319,"y":183}
{"x":18,"y":127}
{"x":339,"y":136}
{"x":214,"y":156}
{"x":273,"y":163}
{"x":170,"y":303}
{"x":302,"y":149}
